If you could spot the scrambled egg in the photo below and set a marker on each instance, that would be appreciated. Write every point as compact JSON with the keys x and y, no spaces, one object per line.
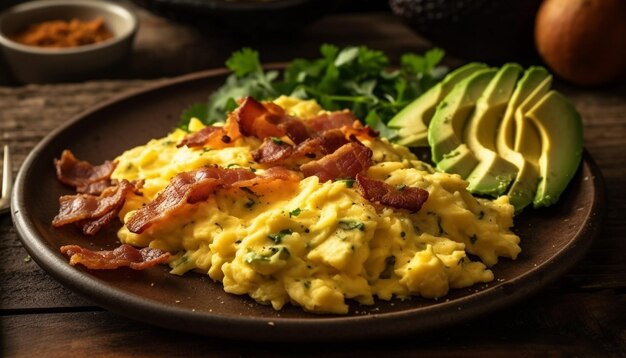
{"x":318,"y":244}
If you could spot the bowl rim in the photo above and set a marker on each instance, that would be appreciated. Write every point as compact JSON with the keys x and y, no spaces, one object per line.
{"x":100,"y":5}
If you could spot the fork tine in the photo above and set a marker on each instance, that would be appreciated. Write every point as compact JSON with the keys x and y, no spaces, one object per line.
{"x":7,"y":173}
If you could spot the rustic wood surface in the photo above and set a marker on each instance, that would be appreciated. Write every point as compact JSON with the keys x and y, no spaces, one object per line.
{"x":583,"y":314}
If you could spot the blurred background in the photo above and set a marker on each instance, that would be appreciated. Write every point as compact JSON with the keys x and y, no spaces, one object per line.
{"x":178,"y":37}
{"x":182,"y":36}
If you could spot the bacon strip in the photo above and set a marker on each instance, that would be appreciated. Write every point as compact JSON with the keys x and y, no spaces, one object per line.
{"x":272,"y":178}
{"x":410,"y":198}
{"x":202,"y":137}
{"x":258,"y":120}
{"x":272,"y":151}
{"x":332,"y":120}
{"x":358,"y":131}
{"x":295,"y":129}
{"x":188,"y":187}
{"x":95,"y":187}
{"x":263,"y":120}
{"x":196,"y":186}
{"x":326,"y":143}
{"x":92,"y":212}
{"x":82,"y":175}
{"x":346,"y":162}
{"x":123,"y":256}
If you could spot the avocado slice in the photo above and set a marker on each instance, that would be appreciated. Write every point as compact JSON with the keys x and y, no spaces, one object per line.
{"x":446,"y":128}
{"x":493,"y":174}
{"x":527,"y":140}
{"x":522,"y":190}
{"x":412,"y":121}
{"x":559,"y":126}
{"x":459,"y":161}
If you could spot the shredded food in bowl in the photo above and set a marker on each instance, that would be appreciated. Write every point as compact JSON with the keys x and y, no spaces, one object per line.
{"x":61,"y":33}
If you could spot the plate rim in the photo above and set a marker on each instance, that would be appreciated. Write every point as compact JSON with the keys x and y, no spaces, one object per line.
{"x":284,"y":328}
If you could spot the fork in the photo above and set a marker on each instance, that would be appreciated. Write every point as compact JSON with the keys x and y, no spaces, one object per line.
{"x":7,"y":182}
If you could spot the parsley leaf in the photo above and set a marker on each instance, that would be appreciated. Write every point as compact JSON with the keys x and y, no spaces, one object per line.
{"x":351,"y":225}
{"x":355,"y":78}
{"x":244,"y":62}
{"x":295,"y":212}
{"x":196,"y":110}
{"x":278,"y":237}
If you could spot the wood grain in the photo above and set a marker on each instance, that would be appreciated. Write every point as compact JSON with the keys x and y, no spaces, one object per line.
{"x":553,"y":324}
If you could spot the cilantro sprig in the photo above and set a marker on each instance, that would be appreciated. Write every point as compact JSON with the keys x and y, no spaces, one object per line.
{"x":356,"y":77}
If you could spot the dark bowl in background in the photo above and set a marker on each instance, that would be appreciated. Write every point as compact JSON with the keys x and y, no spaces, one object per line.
{"x":247,"y":18}
{"x":493,"y":31}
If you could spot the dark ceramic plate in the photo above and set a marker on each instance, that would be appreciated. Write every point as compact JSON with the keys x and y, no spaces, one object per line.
{"x":552,"y":241}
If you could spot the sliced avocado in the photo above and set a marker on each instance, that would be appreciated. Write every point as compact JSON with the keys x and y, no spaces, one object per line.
{"x":560,"y":127}
{"x":412,"y":122}
{"x":459,"y":161}
{"x":527,"y":139}
{"x":445,"y":131}
{"x":522,"y":190}
{"x":493,"y":174}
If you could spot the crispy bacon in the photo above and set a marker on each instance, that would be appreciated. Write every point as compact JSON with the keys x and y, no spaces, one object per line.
{"x":258,"y":120}
{"x":202,"y":137}
{"x":332,"y":120}
{"x":92,"y":212}
{"x":82,"y":175}
{"x":404,"y":197}
{"x":344,"y":120}
{"x":123,"y":256}
{"x":360,"y":132}
{"x":188,"y":187}
{"x":196,"y":186}
{"x":272,"y":178}
{"x":346,"y":162}
{"x":295,"y":129}
{"x":263,"y":120}
{"x":326,"y":143}
{"x":93,"y":226}
{"x":276,"y":152}
{"x":272,"y":150}
{"x":95,"y":187}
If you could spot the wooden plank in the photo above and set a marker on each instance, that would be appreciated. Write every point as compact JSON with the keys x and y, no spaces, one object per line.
{"x":554,"y":324}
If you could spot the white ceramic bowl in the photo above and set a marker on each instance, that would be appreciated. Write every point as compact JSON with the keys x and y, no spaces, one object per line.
{"x":31,"y":64}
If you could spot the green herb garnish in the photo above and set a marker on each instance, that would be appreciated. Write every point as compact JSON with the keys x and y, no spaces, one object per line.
{"x":351,"y":225}
{"x":349,"y":182}
{"x":277,"y":140}
{"x":356,"y":78}
{"x":295,"y":212}
{"x":196,"y":110}
{"x":278,"y":237}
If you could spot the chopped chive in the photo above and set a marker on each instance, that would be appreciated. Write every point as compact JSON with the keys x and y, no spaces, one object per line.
{"x":351,"y":225}
{"x":277,"y":140}
{"x":349,"y":182}
{"x":295,"y":212}
{"x":278,"y":237}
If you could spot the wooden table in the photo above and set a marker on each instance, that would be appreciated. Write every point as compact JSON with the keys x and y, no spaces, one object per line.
{"x":584,"y":313}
